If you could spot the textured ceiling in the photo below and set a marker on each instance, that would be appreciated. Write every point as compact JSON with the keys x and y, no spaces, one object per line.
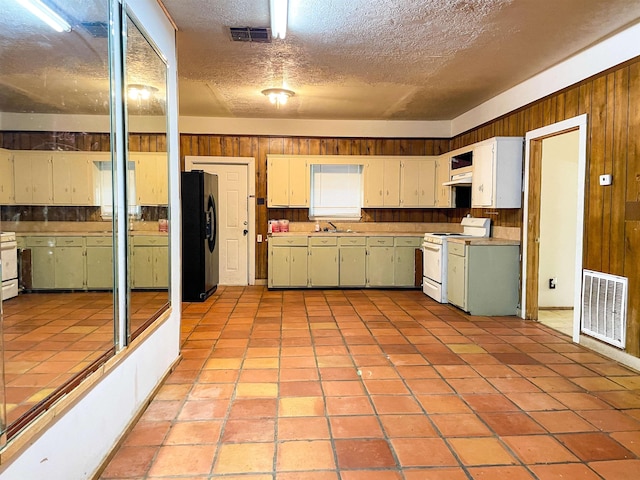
{"x":345,"y":59}
{"x":379,"y":59}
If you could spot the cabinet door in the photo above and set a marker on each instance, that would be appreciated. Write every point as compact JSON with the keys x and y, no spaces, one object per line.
{"x":41,"y":179}
{"x":353,"y":266}
{"x":278,"y":182}
{"x":427,"y":183}
{"x":298,"y":267}
{"x":145,"y":179}
{"x":483,"y":166}
{"x":298,"y":183}
{"x":323,"y":266}
{"x":100,"y":268}
{"x":143,"y":275}
{"x":391,"y":183}
{"x":42,"y":267}
{"x":33,"y":178}
{"x":443,"y":196}
{"x":82,"y":181}
{"x":69,"y":269}
{"x":404,"y":266}
{"x":280,"y":266}
{"x":162,"y":178}
{"x":62,"y":166}
{"x":161,"y":267}
{"x":410,"y":181}
{"x":456,"y":281}
{"x":380,"y":267}
{"x":374,"y":183}
{"x":6,"y":178}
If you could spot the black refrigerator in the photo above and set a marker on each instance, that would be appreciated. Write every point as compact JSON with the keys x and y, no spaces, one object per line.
{"x":200,"y":261}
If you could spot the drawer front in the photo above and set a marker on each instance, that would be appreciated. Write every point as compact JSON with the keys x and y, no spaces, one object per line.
{"x":352,"y":241}
{"x":99,"y":241}
{"x":408,"y":241}
{"x":380,"y":241}
{"x":41,"y":241}
{"x":150,"y":241}
{"x":69,"y":241}
{"x":288,"y":241}
{"x":456,"y":248}
{"x":323,"y":241}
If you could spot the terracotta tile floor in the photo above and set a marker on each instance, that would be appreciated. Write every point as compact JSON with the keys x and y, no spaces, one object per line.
{"x":50,"y":337}
{"x":379,"y":385}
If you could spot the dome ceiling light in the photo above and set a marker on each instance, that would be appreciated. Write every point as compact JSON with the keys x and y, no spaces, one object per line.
{"x":278,"y":96}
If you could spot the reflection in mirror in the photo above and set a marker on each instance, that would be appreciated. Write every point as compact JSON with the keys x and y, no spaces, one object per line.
{"x":147,"y":191}
{"x":55,"y":186}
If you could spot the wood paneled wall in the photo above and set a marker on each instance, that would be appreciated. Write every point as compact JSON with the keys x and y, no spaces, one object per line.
{"x":612,"y":213}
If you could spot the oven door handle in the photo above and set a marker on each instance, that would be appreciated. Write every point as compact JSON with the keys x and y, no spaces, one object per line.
{"x":429,"y":247}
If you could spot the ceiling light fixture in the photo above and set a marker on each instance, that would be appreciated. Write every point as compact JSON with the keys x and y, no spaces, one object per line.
{"x":278,"y":96}
{"x":279,"y":12}
{"x":140,"y":92}
{"x":46,"y":14}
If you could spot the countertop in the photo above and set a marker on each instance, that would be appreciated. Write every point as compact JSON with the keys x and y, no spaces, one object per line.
{"x":483,"y":241}
{"x":88,"y":234}
{"x":347,"y":234}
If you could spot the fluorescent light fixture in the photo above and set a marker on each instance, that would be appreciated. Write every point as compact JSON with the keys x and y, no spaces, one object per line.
{"x":279,"y":12}
{"x":46,"y":14}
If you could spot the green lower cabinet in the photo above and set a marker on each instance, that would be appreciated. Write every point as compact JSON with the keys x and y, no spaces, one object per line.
{"x":323,"y":266}
{"x":380,"y":262}
{"x":43,"y":267}
{"x":404,"y":263}
{"x":353,"y":261}
{"x":69,"y":270}
{"x":150,"y":258}
{"x":298,"y":276}
{"x":287,"y":262}
{"x":99,"y":263}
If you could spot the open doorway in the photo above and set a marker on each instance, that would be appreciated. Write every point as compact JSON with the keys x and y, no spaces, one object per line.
{"x":555,"y":160}
{"x":236,"y":214}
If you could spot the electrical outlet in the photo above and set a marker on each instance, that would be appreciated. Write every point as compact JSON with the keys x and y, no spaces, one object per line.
{"x":552,"y":283}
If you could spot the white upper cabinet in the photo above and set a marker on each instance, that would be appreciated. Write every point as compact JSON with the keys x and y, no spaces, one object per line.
{"x":151,"y":178}
{"x":73,"y":179}
{"x":418,"y":182}
{"x":287,"y":181}
{"x":382,"y":182}
{"x":6,"y":178}
{"x":497,"y":173}
{"x":33,"y":177}
{"x":443,"y":192}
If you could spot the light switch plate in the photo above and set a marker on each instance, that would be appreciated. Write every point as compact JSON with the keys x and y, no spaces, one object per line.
{"x":259,"y":238}
{"x":605,"y":179}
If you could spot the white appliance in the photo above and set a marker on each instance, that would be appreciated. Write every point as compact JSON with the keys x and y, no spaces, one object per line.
{"x":434,"y":255}
{"x":9,"y":259}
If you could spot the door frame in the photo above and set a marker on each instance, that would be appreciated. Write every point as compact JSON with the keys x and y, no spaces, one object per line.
{"x":531,"y":216}
{"x":192,"y":161}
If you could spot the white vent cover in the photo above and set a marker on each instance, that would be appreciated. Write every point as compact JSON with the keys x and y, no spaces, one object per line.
{"x":604,"y":307}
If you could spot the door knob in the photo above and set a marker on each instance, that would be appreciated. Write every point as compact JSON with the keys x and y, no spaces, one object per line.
{"x":245,"y":231}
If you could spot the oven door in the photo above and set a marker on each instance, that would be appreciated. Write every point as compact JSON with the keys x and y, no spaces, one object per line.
{"x":9,"y":256}
{"x":432,"y":261}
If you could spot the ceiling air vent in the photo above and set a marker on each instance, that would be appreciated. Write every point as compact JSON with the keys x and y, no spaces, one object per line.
{"x":248,"y":34}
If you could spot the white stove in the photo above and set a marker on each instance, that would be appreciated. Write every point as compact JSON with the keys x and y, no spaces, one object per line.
{"x":434,"y":249}
{"x":9,"y":259}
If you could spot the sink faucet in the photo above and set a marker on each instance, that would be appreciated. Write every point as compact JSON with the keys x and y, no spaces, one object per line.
{"x":334,"y":227}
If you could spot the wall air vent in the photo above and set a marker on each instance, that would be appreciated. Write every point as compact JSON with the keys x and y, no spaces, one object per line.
{"x":604,"y":307}
{"x":248,"y":34}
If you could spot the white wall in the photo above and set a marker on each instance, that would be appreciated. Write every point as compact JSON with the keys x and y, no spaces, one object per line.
{"x":558,"y":213}
{"x":76,"y":444}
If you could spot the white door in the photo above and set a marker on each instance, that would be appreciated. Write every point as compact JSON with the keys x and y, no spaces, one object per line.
{"x":233,"y":220}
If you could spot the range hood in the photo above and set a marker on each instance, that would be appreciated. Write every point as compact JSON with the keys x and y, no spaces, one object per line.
{"x":459,"y":179}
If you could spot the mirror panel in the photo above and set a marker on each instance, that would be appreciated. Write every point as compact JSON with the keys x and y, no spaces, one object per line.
{"x":148,"y":190}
